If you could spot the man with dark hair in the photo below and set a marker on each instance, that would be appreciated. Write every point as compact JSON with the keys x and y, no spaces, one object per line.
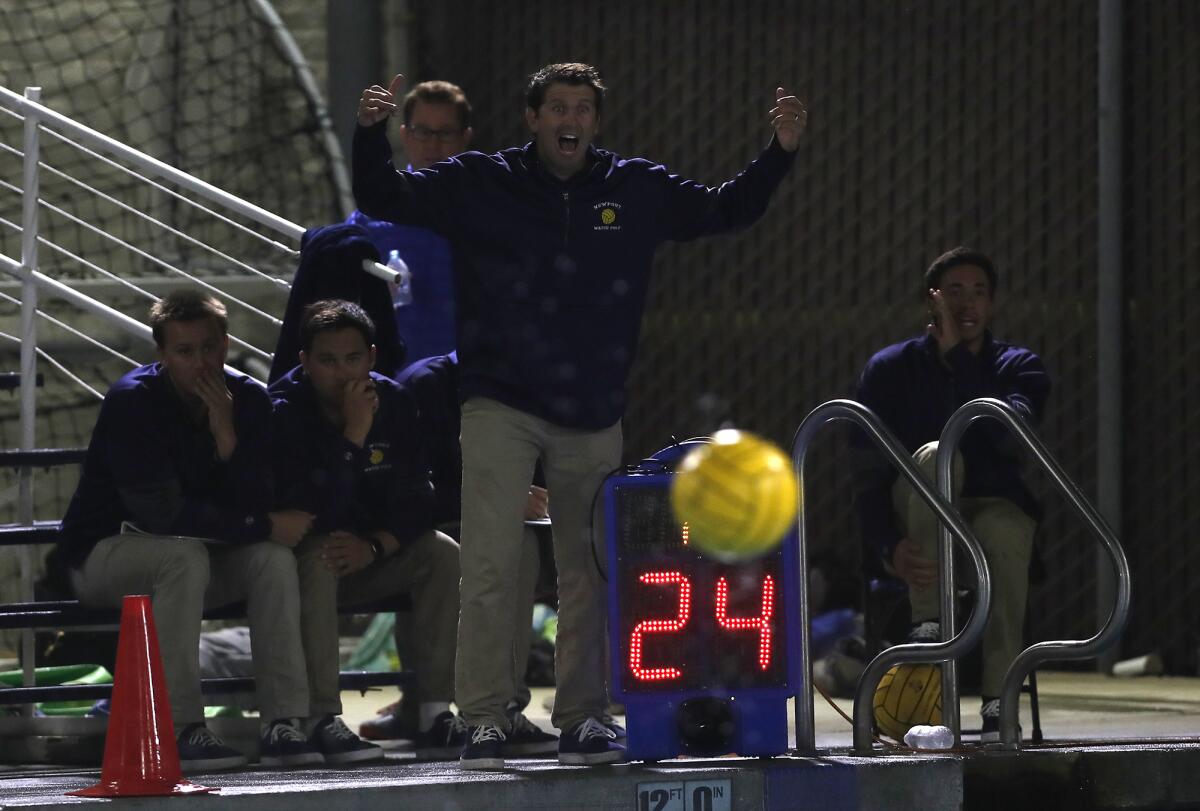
{"x":914,"y":387}
{"x":956,"y":257}
{"x":575,"y":74}
{"x":553,"y":248}
{"x":436,"y":126}
{"x":174,"y":501}
{"x":347,"y":448}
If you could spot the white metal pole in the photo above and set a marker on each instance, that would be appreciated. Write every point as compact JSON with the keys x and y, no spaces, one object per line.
{"x":29,"y":261}
{"x":146,"y":163}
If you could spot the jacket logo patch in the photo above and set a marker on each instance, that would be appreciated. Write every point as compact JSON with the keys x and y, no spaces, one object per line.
{"x":380,"y":457}
{"x":608,"y":216}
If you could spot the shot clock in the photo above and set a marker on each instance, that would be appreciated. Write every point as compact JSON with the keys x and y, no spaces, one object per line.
{"x":701,"y":649}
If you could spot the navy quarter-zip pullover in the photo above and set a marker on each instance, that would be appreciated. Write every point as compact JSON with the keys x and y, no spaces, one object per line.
{"x":552,"y":276}
{"x":909,"y":387}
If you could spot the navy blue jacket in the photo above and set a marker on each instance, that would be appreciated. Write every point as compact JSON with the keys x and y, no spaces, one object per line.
{"x":433,"y":383}
{"x":914,"y":393}
{"x":427,"y":325}
{"x":383,"y":485}
{"x":150,"y":462}
{"x":552,"y":276}
{"x":331,"y":267}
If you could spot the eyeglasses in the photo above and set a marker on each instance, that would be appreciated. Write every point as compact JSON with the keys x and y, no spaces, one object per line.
{"x":424,"y":134}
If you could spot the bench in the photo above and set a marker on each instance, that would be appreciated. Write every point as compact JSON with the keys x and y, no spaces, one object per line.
{"x":63,"y":614}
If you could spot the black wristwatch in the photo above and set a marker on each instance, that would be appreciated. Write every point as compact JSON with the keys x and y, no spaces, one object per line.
{"x":376,"y":548}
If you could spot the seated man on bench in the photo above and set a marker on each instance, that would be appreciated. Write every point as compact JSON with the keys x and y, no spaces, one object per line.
{"x":348,"y":448}
{"x":914,"y":387}
{"x":174,"y":501}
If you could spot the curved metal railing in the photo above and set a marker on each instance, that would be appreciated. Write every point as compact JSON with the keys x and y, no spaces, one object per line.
{"x":946,"y":651}
{"x":1049,"y":650}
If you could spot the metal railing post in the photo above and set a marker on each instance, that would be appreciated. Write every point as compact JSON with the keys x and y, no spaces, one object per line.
{"x":806,"y":729}
{"x":1031,"y":657}
{"x":28,"y":409}
{"x":899,"y":654}
{"x":944,"y":475}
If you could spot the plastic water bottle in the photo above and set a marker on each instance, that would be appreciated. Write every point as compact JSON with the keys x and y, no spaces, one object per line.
{"x":402,"y":287}
{"x":929,"y":737}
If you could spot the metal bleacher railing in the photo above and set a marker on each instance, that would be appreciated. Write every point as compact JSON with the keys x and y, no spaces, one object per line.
{"x":940,"y":500}
{"x":279,"y":236}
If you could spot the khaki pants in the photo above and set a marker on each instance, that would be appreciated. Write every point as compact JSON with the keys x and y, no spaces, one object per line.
{"x":527,"y":581}
{"x":1005,"y":532}
{"x":408,"y":629}
{"x":183,"y":577}
{"x":427,"y":570}
{"x":500,"y":447}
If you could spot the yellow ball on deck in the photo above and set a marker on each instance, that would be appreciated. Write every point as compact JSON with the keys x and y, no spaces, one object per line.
{"x":737,"y":495}
{"x":908,"y":695}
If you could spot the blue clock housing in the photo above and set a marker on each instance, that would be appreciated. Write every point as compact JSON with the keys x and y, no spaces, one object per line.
{"x":702,"y":650}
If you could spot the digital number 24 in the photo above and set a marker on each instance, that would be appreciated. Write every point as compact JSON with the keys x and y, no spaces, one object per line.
{"x":761,"y":623}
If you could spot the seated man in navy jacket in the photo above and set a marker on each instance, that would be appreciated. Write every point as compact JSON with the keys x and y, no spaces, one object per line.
{"x":174,"y":502}
{"x":914,"y":387}
{"x":347,"y":448}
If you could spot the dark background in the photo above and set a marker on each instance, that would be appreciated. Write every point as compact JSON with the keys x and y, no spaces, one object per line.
{"x":931,"y":124}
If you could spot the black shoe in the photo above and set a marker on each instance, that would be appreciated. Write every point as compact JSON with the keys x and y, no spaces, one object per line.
{"x":444,"y":740}
{"x":589,"y":743}
{"x":202,"y":751}
{"x":527,"y":738}
{"x":333,"y":739}
{"x":614,"y":727}
{"x":387,"y":726}
{"x":989,"y":732}
{"x":283,"y":744}
{"x":925,"y":632}
{"x":484,"y":748}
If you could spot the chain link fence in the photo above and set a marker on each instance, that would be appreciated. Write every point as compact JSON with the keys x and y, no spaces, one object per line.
{"x":932,"y":124}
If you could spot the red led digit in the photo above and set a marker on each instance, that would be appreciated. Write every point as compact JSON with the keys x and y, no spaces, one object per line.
{"x":660,"y":626}
{"x":761,"y":623}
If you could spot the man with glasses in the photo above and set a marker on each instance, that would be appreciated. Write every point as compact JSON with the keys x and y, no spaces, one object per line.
{"x":436,"y":125}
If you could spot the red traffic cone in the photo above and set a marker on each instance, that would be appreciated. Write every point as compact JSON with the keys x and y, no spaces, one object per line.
{"x":141,"y":758}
